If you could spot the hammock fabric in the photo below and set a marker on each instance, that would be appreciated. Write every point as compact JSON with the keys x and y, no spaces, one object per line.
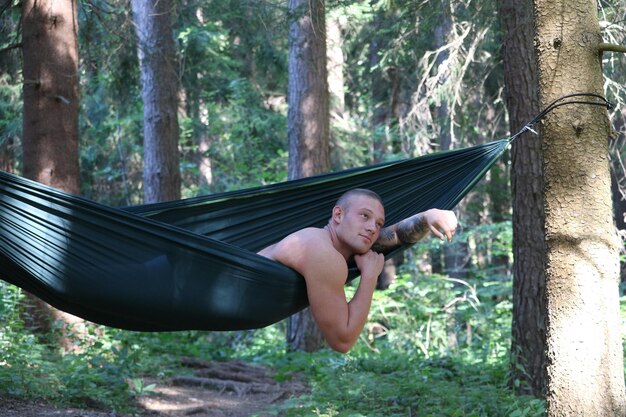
{"x":191,"y":264}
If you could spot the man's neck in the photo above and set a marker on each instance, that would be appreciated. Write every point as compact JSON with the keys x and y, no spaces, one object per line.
{"x":347,"y":253}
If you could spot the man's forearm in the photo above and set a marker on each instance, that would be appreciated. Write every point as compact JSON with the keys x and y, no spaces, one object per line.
{"x":407,"y":231}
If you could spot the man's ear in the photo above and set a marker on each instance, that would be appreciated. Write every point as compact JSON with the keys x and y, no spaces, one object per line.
{"x":338,"y":213}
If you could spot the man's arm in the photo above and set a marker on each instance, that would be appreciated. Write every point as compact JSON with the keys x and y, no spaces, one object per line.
{"x":341,"y":322}
{"x":325,"y":272}
{"x":442,"y":223}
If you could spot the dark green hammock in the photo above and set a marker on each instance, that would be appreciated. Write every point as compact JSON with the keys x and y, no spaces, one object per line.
{"x":191,"y":264}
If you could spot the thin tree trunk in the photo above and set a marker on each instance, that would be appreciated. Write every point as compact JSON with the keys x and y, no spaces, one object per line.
{"x":441,"y":111}
{"x":11,"y":67}
{"x":308,"y":121}
{"x":384,"y":90}
{"x":50,"y":124}
{"x":456,"y":255}
{"x":528,"y":359}
{"x":157,"y":58}
{"x":7,"y":160}
{"x":380,"y":88}
{"x":584,"y":346}
{"x":618,"y":184}
{"x":336,"y":82}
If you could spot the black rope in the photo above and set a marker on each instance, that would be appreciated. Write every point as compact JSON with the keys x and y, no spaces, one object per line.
{"x":528,"y":127}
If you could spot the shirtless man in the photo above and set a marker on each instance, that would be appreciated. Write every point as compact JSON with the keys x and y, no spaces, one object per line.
{"x":354,"y":231}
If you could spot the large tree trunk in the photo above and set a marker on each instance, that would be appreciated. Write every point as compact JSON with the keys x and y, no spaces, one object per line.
{"x":584,"y":346}
{"x":308,"y":90}
{"x":157,"y":58}
{"x":50,"y":56}
{"x":528,"y":359}
{"x":50,"y":125}
{"x":308,"y":121}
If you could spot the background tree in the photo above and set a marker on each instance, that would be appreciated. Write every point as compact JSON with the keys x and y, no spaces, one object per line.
{"x":528,"y":361}
{"x":384,"y":90}
{"x":50,"y":113}
{"x":584,"y":348}
{"x":450,"y":259}
{"x":10,"y":91}
{"x":308,"y":125}
{"x":157,"y":58}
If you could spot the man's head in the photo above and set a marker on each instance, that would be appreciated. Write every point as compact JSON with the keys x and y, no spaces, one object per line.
{"x":345,"y":198}
{"x":357,"y":219}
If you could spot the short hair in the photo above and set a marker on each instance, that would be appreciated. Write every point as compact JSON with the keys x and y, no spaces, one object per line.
{"x":345,"y":197}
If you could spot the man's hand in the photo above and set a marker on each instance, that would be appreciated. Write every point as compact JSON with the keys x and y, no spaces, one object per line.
{"x":442,"y":223}
{"x":370,"y":264}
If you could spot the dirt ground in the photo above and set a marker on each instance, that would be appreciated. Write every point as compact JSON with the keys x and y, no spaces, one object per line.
{"x":215,"y":389}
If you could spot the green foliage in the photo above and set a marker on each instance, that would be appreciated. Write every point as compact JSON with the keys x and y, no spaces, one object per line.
{"x":111,"y":114}
{"x":10,"y":110}
{"x":24,"y":366}
{"x":451,"y":316}
{"x":393,"y":383}
{"x":32,"y":368}
{"x":233,"y":77}
{"x":250,"y":143}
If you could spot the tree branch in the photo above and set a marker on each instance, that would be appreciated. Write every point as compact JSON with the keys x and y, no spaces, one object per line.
{"x":8,"y":48}
{"x":610,"y":47}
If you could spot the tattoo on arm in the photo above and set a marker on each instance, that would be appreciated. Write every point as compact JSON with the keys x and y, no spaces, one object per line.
{"x":386,"y":240}
{"x":407,"y":231}
{"x":411,"y":230}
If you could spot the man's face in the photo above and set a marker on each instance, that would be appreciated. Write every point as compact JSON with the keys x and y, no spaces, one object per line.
{"x":363,"y":218}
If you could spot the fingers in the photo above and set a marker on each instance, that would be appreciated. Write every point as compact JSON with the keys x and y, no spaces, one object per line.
{"x":436,"y":232}
{"x":444,"y":225}
{"x":370,"y":263}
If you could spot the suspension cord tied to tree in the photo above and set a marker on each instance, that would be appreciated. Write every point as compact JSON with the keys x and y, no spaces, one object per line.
{"x":575,"y":98}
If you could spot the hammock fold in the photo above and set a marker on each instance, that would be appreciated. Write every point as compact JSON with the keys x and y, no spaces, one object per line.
{"x":191,"y":264}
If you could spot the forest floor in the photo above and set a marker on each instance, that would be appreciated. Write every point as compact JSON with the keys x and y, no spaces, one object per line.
{"x":212,"y":389}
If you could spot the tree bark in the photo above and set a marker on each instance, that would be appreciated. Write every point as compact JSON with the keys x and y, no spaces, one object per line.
{"x":50,"y":129}
{"x":6,"y":155}
{"x":50,"y":121}
{"x":380,"y":88}
{"x":528,"y":359}
{"x":10,"y":67}
{"x":307,"y":116}
{"x":336,"y":82}
{"x":584,"y":346}
{"x":440,"y":111}
{"x":308,"y":121}
{"x":157,"y":58}
{"x":455,"y":255}
{"x":383,"y":87}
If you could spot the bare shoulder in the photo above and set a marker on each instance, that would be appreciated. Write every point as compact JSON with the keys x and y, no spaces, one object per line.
{"x":310,"y":252}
